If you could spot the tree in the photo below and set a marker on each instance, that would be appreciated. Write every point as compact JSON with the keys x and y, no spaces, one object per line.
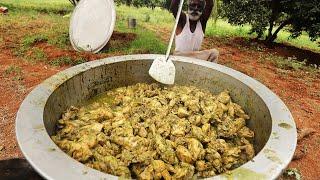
{"x":273,"y":15}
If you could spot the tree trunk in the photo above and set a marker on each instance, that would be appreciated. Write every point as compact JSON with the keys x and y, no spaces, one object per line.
{"x":273,"y":36}
{"x":275,"y":4}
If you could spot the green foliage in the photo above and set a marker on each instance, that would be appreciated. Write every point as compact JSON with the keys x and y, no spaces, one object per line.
{"x":273,"y":15}
{"x":304,"y":16}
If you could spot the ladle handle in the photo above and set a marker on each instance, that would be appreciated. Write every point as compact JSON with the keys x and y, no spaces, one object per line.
{"x":174,"y":29}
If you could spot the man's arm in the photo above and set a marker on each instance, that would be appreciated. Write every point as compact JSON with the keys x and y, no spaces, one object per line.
{"x":174,"y":7}
{"x":206,"y":13}
{"x":174,"y":10}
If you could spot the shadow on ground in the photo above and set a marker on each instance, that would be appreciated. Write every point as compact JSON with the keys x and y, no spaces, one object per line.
{"x":17,"y":169}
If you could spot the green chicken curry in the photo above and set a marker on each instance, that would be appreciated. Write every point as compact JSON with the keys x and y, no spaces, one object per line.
{"x":151,"y":132}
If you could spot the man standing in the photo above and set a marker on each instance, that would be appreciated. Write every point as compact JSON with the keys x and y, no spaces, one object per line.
{"x":191,"y":29}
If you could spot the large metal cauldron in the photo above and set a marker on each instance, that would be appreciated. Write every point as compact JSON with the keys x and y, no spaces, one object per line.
{"x":274,"y":127}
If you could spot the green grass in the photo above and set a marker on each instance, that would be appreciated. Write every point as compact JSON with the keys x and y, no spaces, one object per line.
{"x":36,"y":55}
{"x":65,"y":60}
{"x":31,"y":40}
{"x":145,"y":42}
{"x":61,"y":61}
{"x":43,"y":6}
{"x":221,"y":28}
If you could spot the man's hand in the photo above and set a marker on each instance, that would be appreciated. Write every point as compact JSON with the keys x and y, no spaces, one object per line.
{"x":174,"y":7}
{"x":206,"y":13}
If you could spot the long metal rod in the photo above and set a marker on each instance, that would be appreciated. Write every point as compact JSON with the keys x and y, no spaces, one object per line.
{"x":174,"y":29}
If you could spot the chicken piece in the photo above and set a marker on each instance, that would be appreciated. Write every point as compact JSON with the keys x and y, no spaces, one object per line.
{"x":201,"y":165}
{"x":154,"y":104}
{"x":184,"y":155}
{"x":111,"y":165}
{"x":140,"y":155}
{"x":224,"y":97}
{"x":249,"y":151}
{"x":170,"y":95}
{"x":197,"y":133}
{"x":245,"y":132}
{"x":218,"y":145}
{"x":102,"y":113}
{"x":231,"y":111}
{"x":147,"y":173}
{"x":67,"y":128}
{"x":108,"y":149}
{"x":138,"y":168}
{"x":94,"y":128}
{"x":183,"y":171}
{"x":102,"y":138}
{"x":182,"y":112}
{"x":208,"y":173}
{"x":122,"y":128}
{"x":195,"y":120}
{"x":143,"y":132}
{"x":196,"y":149}
{"x":212,"y":154}
{"x":89,"y":140}
{"x":229,"y":128}
{"x":205,"y":128}
{"x":71,"y":113}
{"x":211,"y":135}
{"x":165,"y":130}
{"x":210,"y":108}
{"x":193,"y":105}
{"x":239,"y":111}
{"x":165,"y":151}
{"x":160,"y":170}
{"x":172,"y":102}
{"x":97,"y":115}
{"x":230,"y":157}
{"x":180,"y":128}
{"x":78,"y":151}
